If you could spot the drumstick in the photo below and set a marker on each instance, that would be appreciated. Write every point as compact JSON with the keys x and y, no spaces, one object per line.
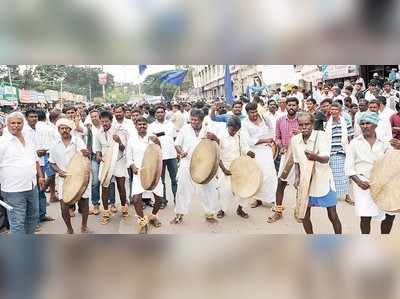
{"x":5,"y":205}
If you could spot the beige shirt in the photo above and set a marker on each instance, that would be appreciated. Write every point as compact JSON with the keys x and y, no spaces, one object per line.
{"x":229,"y":147}
{"x":322,"y":179}
{"x":361,"y":156}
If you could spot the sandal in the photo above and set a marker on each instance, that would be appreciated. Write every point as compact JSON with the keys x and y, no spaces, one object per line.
{"x":143,"y":224}
{"x":124,"y":210}
{"x":211,"y":219}
{"x":242,"y":213}
{"x":178,"y":219}
{"x":154,"y":221}
{"x":106,"y":217}
{"x":275,"y":217}
{"x":86,"y":230}
{"x":349,"y":200}
{"x":220,"y":214}
{"x":256,"y":204}
{"x":113,"y":209}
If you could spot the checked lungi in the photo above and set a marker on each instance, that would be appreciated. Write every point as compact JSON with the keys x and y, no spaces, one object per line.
{"x":336,"y":162}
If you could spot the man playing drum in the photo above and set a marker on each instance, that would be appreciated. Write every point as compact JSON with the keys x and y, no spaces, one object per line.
{"x":134,"y":154}
{"x":61,"y":154}
{"x":364,"y":150}
{"x":188,"y":138}
{"x":103,"y":140}
{"x":259,"y":132}
{"x":233,"y":143}
{"x":312,"y":145}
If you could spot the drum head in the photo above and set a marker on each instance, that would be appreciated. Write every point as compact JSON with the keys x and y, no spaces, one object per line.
{"x":384,"y":182}
{"x":107,"y":166}
{"x":150,"y":172}
{"x":204,"y":161}
{"x":246,"y":178}
{"x":77,"y":180}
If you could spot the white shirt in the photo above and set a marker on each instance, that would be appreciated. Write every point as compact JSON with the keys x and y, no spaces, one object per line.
{"x":386,"y":113}
{"x":299,"y":96}
{"x":188,"y":140}
{"x":178,"y":119}
{"x":384,"y":130}
{"x":279,"y":113}
{"x":391,"y":98}
{"x":17,"y":164}
{"x":103,"y":140}
{"x":61,"y":154}
{"x":273,"y":118}
{"x":126,"y":127}
{"x":361,"y":156}
{"x":135,"y":150}
{"x":322,"y":180}
{"x":167,"y":141}
{"x":369,"y":96}
{"x":229,"y":146}
{"x":257,"y":132}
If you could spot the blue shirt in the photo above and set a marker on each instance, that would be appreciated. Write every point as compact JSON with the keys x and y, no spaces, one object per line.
{"x":223,"y":118}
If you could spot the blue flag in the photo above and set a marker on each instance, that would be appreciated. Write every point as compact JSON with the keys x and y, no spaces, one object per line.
{"x":173,"y":77}
{"x":228,"y":85}
{"x":142,"y":68}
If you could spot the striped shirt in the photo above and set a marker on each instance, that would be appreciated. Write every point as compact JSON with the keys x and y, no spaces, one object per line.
{"x":336,"y":143}
{"x":284,"y":130}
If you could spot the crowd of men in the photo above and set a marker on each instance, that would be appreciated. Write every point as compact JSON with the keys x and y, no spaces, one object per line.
{"x":343,"y":130}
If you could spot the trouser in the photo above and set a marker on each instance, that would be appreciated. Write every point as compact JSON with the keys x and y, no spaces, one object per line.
{"x":42,"y":201}
{"x":172,"y":166}
{"x":24,"y":216}
{"x":96,"y":185}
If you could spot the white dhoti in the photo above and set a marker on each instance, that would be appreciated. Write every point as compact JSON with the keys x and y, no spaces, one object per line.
{"x":364,"y":203}
{"x":265,"y":161}
{"x":120,"y":169}
{"x":227,"y":199}
{"x":207,"y":193}
{"x":291,"y":176}
{"x":138,"y":189}
{"x":60,"y":188}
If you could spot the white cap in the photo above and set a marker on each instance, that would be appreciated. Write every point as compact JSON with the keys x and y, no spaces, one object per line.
{"x":376,"y":74}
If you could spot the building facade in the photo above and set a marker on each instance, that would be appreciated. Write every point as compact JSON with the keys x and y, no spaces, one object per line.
{"x":209,"y":79}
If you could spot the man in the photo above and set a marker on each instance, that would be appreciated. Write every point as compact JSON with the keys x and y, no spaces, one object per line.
{"x":286,"y":127}
{"x":53,"y":137}
{"x":260,"y":138}
{"x":317,"y":94}
{"x":348,"y":92}
{"x":395,"y":122}
{"x":311,"y":105}
{"x":336,"y":94}
{"x":339,"y":133}
{"x":391,"y":95}
{"x":364,"y":150}
{"x":282,"y":105}
{"x":137,"y":145}
{"x":322,"y":116}
{"x":297,"y":94}
{"x":236,"y":110}
{"x":79,"y":129}
{"x":188,"y":138}
{"x":362,"y":107}
{"x":358,"y":90}
{"x":19,"y":166}
{"x":36,"y":133}
{"x":166,"y":133}
{"x":121,"y":123}
{"x":103,"y":140}
{"x":93,"y":128}
{"x":326,"y":93}
{"x":272,"y":113}
{"x":383,"y":129}
{"x":312,"y":145}
{"x":60,"y":156}
{"x":384,"y":111}
{"x":233,"y":144}
{"x":371,"y":92}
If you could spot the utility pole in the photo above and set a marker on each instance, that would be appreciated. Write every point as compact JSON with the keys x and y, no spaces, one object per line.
{"x":9,"y":75}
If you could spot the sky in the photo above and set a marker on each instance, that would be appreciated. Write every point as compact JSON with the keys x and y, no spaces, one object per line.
{"x":130,"y":73}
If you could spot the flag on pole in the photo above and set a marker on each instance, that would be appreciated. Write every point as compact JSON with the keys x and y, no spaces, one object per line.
{"x":173,"y":77}
{"x":228,"y":85}
{"x":142,"y":68}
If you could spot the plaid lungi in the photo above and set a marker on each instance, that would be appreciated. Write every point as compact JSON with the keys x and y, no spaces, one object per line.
{"x":336,"y":162}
